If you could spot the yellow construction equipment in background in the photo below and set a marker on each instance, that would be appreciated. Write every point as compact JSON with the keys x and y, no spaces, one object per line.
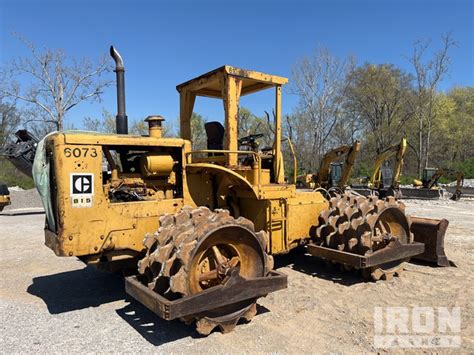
{"x":385,"y":179}
{"x":392,"y":178}
{"x":431,"y":178}
{"x":334,"y":171}
{"x":4,"y":196}
{"x":203,"y":225}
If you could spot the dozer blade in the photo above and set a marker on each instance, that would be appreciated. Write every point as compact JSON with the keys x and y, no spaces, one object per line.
{"x":421,"y":193}
{"x":431,"y":233}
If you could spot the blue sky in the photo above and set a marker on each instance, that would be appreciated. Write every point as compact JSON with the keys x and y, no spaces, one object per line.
{"x":165,"y":43}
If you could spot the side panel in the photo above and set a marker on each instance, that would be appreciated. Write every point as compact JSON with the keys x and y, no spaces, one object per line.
{"x":88,"y":222}
{"x":288,"y":221}
{"x":277,"y":225}
{"x":303,"y":212}
{"x":215,"y":186}
{"x":200,"y":189}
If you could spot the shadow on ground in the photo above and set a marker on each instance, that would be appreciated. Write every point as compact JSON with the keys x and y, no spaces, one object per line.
{"x":89,"y":287}
{"x":155,"y":330}
{"x":78,"y":289}
{"x":158,"y":331}
{"x":431,"y":264}
{"x":300,"y":261}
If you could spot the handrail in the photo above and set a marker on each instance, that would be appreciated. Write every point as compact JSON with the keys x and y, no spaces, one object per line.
{"x":295,"y":163}
{"x":203,"y":151}
{"x":254,"y":155}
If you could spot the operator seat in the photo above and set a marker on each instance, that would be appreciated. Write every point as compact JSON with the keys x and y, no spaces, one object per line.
{"x":215,"y":135}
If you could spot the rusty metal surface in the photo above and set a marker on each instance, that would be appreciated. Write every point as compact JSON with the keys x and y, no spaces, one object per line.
{"x":391,"y":253}
{"x":431,"y":232}
{"x":229,"y":84}
{"x":197,"y":251}
{"x":234,"y":290}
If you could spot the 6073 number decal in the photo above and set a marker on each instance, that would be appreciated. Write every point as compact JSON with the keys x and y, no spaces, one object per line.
{"x":80,"y":152}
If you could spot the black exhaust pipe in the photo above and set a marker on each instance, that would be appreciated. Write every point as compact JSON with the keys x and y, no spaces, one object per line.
{"x":121,"y":120}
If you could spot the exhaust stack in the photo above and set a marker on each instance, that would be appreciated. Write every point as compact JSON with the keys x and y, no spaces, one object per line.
{"x":121,"y":120}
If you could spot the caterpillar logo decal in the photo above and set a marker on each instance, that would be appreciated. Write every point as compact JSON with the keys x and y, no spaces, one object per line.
{"x":82,"y":190}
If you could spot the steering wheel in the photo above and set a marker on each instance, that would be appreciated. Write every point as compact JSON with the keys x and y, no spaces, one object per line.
{"x":250,"y":139}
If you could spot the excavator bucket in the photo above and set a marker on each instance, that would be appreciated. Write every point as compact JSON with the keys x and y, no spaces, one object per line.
{"x":431,"y":233}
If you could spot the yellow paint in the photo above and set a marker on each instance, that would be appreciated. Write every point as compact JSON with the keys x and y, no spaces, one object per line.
{"x":166,"y":175}
{"x":321,"y":179}
{"x":4,"y":201}
{"x":156,"y":164}
{"x":397,"y":150}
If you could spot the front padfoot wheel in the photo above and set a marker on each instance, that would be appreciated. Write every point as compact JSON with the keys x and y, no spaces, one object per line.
{"x":197,"y":249}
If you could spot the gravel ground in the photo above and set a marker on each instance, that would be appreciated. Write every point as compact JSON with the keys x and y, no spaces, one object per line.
{"x":23,"y":199}
{"x":467,"y":183}
{"x":50,"y":304}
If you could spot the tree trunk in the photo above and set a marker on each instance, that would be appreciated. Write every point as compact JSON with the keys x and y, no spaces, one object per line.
{"x":420,"y":147}
{"x":428,"y":136}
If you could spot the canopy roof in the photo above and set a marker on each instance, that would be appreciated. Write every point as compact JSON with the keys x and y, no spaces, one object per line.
{"x":211,"y":83}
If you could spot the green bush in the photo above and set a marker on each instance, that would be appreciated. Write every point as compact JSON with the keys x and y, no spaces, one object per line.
{"x":467,"y":167}
{"x":362,"y":169}
{"x":13,"y":177}
{"x":407,"y":179}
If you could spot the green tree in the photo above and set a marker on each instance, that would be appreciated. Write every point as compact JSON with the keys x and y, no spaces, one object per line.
{"x":453,"y":129}
{"x":198,"y":133}
{"x":461,"y":125}
{"x":378,"y":95}
{"x":429,"y":72}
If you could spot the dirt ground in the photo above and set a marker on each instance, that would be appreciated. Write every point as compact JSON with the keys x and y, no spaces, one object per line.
{"x":51,"y":304}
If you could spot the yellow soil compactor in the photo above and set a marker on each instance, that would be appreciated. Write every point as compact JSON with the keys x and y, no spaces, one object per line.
{"x":203,"y":226}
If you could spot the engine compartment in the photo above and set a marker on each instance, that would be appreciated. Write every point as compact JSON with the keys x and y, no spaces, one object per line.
{"x":142,"y":173}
